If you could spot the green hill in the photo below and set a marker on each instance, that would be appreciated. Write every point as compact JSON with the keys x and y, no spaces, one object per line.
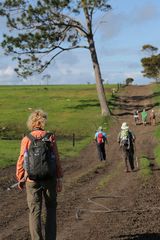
{"x":72,"y":109}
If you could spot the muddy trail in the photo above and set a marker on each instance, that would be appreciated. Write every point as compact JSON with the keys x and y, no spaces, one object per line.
{"x":99,"y":200}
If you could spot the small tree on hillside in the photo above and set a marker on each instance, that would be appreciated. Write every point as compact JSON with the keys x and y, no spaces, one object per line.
{"x":150,"y":49}
{"x":151,"y":65}
{"x":129,"y":81}
{"x":47,"y":28}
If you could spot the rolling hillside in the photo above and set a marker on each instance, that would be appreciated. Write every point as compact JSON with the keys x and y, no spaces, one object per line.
{"x":99,"y":200}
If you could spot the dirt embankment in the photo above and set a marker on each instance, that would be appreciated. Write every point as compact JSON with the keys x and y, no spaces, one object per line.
{"x":86,"y":178}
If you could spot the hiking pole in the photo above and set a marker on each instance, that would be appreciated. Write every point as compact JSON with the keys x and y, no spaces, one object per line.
{"x":137,"y":165}
{"x":136,"y":158}
{"x":12,"y":186}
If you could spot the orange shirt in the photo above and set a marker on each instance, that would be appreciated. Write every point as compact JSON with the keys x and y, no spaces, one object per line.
{"x":20,"y":172}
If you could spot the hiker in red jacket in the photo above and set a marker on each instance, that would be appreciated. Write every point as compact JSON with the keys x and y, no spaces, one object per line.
{"x":101,"y":139}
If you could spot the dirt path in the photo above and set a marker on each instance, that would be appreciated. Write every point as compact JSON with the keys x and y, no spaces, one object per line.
{"x":85,"y":178}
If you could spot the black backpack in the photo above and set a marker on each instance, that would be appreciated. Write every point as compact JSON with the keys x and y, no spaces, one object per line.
{"x":41,"y":161}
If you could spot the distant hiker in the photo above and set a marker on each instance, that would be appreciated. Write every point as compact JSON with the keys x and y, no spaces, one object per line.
{"x":152,"y":118}
{"x":113,"y":92}
{"x":101,"y":139}
{"x":39,"y":166}
{"x":144,"y":115}
{"x":126,"y":141}
{"x":136,"y":117}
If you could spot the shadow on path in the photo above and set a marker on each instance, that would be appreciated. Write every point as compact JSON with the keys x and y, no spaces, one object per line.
{"x":127,"y":105}
{"x":145,"y":236}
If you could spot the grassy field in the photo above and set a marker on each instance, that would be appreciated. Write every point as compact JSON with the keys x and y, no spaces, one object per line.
{"x":157,"y":131}
{"x":72,"y":109}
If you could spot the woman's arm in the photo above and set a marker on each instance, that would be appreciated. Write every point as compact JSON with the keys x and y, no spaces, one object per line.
{"x":20,"y":171}
{"x":59,"y":171}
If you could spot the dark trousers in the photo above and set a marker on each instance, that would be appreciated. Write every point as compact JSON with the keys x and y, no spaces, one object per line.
{"x":36,"y":192}
{"x":101,"y":151}
{"x":128,"y":156}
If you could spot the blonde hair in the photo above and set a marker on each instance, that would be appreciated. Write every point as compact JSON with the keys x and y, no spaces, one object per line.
{"x":37,"y":119}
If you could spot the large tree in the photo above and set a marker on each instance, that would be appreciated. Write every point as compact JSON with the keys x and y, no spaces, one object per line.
{"x":151,"y":64}
{"x":46,"y":28}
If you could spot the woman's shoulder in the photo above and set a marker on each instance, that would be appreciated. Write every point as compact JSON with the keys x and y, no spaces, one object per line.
{"x":25,"y":140}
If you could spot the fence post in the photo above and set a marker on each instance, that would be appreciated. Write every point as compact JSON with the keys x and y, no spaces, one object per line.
{"x":73,"y":139}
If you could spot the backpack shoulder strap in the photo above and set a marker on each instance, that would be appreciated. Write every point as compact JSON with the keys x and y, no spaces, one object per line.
{"x":47,"y":135}
{"x":31,"y":137}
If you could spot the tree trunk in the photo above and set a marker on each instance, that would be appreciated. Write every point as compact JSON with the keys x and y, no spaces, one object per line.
{"x":99,"y":84}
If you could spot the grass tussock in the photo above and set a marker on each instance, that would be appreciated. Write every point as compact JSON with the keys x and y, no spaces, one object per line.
{"x":109,"y":177}
{"x":157,"y":155}
{"x":145,"y":170}
{"x":157,"y":129}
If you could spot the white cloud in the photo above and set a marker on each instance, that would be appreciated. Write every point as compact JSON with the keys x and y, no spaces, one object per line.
{"x":7,"y":72}
{"x":113,"y":25}
{"x":117,"y":21}
{"x":133,"y":74}
{"x":117,"y":51}
{"x":145,"y":13}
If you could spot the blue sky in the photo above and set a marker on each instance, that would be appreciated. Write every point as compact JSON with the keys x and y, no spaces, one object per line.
{"x":119,"y":39}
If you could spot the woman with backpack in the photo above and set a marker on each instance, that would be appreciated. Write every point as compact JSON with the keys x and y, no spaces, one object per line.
{"x":39,"y":167}
{"x":126,"y":141}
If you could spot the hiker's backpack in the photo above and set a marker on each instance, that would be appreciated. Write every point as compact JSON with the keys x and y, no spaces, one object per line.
{"x":125,"y":138}
{"x":135,"y":113}
{"x":41,"y":161}
{"x":100,"y":138}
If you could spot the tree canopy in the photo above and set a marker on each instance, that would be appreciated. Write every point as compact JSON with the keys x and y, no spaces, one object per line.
{"x":129,"y":81}
{"x":46,"y":28}
{"x":151,"y":65}
{"x":149,"y":48}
